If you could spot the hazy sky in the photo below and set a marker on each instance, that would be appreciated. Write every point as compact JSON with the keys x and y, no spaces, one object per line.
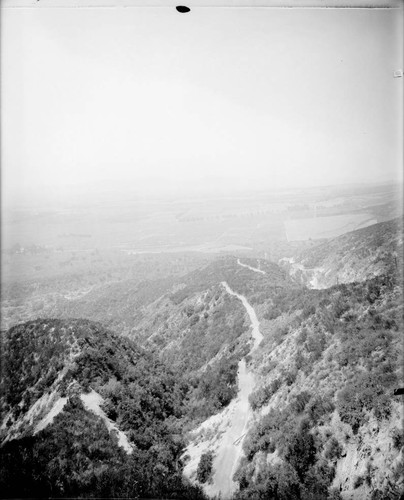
{"x":150,"y":97}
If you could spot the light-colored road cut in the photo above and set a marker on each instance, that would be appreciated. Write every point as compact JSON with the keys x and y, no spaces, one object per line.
{"x":255,"y":269}
{"x":224,"y":433}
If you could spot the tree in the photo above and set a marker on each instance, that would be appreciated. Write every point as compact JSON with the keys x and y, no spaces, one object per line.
{"x":301,"y":451}
{"x":204,"y":469}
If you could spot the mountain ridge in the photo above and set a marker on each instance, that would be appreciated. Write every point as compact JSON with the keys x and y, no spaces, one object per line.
{"x":353,"y":256}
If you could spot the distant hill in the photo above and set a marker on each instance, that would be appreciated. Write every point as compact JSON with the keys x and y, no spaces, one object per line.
{"x":117,"y":304}
{"x":88,"y":413}
{"x":354,"y":256}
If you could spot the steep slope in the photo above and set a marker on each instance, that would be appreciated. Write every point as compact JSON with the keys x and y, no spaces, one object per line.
{"x":354,"y":256}
{"x":327,"y":423}
{"x":88,"y":413}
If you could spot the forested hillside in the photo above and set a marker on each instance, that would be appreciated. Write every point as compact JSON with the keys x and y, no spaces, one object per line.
{"x":89,"y":414}
{"x":102,"y":285}
{"x":327,"y":421}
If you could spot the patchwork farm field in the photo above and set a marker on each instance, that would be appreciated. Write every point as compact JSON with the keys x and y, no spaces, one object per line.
{"x":326,"y":227}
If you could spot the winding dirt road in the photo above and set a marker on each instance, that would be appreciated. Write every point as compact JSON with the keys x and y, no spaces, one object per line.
{"x":255,"y":269}
{"x":228,"y":429}
{"x":256,"y":334}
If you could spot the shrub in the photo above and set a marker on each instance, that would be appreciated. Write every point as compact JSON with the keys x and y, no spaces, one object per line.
{"x":308,"y":310}
{"x":318,"y":407}
{"x":333,"y":450}
{"x":280,"y":333}
{"x":204,"y":469}
{"x":290,"y":377}
{"x":370,"y":470}
{"x":365,"y":392}
{"x":361,"y":343}
{"x":301,"y":451}
{"x":302,"y":337}
{"x":398,"y":438}
{"x":340,"y":306}
{"x":272,"y":313}
{"x":261,"y":396}
{"x":358,"y":481}
{"x":264,"y":433}
{"x":315,"y":344}
{"x":280,"y":482}
{"x":194,"y":320}
{"x":317,"y":481}
{"x":244,"y":473}
{"x":300,"y":401}
{"x":218,"y":384}
{"x":300,"y":361}
{"x":334,"y":494}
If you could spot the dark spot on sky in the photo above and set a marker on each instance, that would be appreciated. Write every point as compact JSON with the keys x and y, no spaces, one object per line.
{"x":182,"y":8}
